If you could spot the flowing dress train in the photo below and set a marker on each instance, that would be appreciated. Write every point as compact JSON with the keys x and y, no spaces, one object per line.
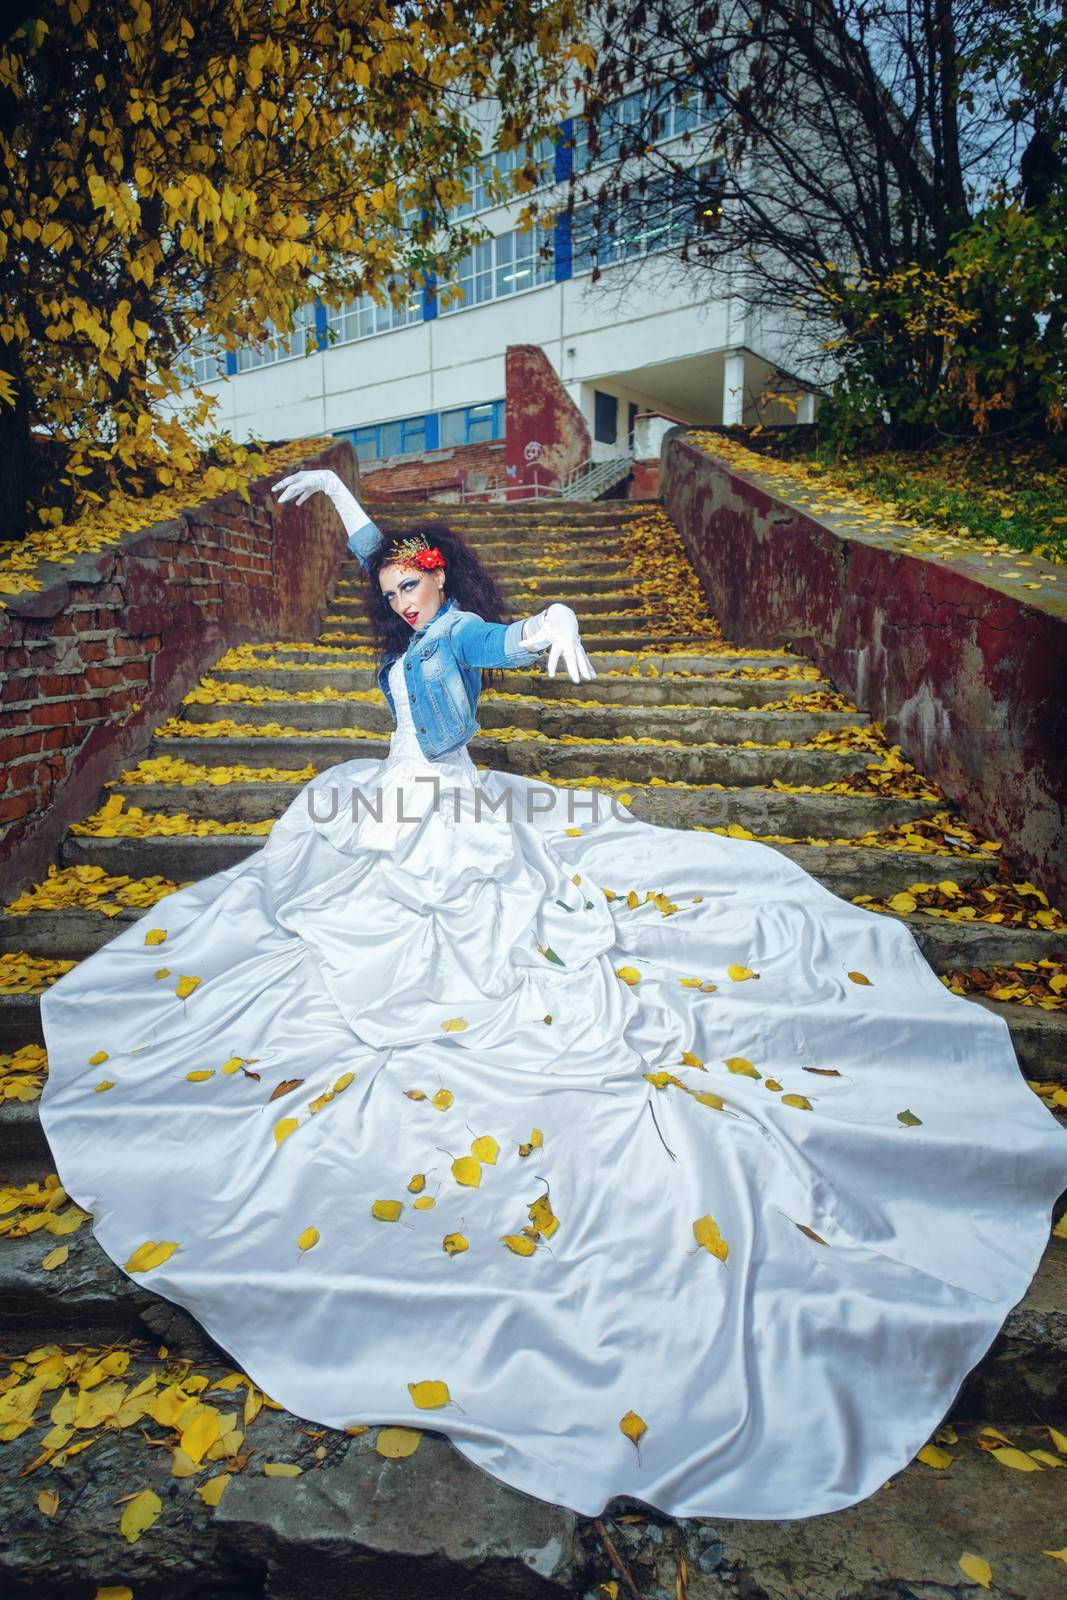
{"x":785,"y":1280}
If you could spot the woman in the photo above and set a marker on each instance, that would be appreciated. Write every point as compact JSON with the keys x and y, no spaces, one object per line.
{"x":708,"y":1194}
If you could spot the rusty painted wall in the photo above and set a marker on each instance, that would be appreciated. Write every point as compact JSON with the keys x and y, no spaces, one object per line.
{"x":965,"y":670}
{"x":92,"y":662}
{"x":546,"y":435}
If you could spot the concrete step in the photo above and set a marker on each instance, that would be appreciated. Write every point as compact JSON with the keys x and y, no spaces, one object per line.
{"x":731,"y":765}
{"x":696,"y":725}
{"x":573,"y":565}
{"x":713,"y":690}
{"x":348,"y":598}
{"x":648,"y":666}
{"x":623,"y":642}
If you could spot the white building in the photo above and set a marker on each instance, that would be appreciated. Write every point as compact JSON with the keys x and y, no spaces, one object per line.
{"x":431,"y":375}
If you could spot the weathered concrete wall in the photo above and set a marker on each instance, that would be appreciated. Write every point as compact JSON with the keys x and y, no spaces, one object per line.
{"x":644,"y":483}
{"x":965,"y":669}
{"x":110,"y":645}
{"x":546,"y":433}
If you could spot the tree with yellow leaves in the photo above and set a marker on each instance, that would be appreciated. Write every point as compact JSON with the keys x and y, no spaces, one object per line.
{"x":174,"y":173}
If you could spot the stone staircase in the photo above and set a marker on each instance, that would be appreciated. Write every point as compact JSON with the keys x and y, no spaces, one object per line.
{"x":692,"y":732}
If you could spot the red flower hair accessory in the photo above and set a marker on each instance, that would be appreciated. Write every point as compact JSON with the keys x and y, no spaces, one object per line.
{"x":416,"y":552}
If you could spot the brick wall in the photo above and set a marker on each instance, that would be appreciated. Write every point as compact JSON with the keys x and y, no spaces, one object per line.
{"x":110,"y":645}
{"x":963,"y":667}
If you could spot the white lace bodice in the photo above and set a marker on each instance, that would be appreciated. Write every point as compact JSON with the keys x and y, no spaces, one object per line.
{"x":404,"y":742}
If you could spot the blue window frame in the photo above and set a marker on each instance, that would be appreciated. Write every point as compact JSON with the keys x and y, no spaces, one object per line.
{"x":431,"y":431}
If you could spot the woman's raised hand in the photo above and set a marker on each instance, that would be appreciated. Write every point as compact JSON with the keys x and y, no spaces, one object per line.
{"x":557,"y":627}
{"x":300,"y":486}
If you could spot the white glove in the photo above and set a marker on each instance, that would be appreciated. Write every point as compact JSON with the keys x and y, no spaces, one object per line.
{"x":300,"y":486}
{"x":557,"y":627}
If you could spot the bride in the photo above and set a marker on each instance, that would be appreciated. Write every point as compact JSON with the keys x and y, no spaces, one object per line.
{"x":629,"y":1158}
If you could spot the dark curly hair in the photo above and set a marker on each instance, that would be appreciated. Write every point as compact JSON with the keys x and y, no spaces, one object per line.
{"x":468,"y":584}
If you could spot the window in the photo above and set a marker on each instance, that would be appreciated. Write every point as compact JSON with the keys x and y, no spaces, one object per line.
{"x":605,"y":417}
{"x":362,"y":317}
{"x":279,"y":345}
{"x":411,"y":435}
{"x":502,"y":266}
{"x":473,"y":424}
{"x":206,"y":361}
{"x":484,"y":179}
{"x":662,"y":111}
{"x":365,"y":442}
{"x":631,"y":423}
{"x":672,"y":209}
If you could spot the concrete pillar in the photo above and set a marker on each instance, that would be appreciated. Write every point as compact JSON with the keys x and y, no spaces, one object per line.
{"x":733,"y":389}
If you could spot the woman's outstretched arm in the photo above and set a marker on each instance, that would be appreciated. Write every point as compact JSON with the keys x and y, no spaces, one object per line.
{"x":364,"y":535}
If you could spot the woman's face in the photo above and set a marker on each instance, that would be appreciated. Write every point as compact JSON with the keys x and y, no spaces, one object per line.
{"x":411,"y":593}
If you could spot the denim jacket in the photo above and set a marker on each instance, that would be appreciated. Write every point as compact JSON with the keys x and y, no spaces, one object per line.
{"x":443,"y":662}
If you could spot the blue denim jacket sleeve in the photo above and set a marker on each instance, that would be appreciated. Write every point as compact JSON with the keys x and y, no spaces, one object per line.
{"x":478,"y":643}
{"x":364,"y":541}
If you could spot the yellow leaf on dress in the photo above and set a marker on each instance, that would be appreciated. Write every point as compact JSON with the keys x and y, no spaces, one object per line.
{"x":909,"y":1119}
{"x":931,"y":1456}
{"x":706,"y":1233}
{"x":429,"y":1394}
{"x":284,"y":1128}
{"x":976,"y":1568}
{"x":486,"y":1149}
{"x":743,"y":1068}
{"x":773,"y":1085}
{"x":425,"y":1202}
{"x":396,"y":1443}
{"x":573,"y":833}
{"x":521,"y":1243}
{"x":211,"y":1492}
{"x":155,"y":936}
{"x":234,"y":1064}
{"x":860,"y":977}
{"x":343,"y":1081}
{"x":632,"y":900}
{"x":186,"y":986}
{"x":628,"y":975}
{"x":467,"y":1171}
{"x":105,"y":1083}
{"x":139,"y":1514}
{"x":800,"y":1101}
{"x":454,"y":1025}
{"x":542,"y":1216}
{"x":101,"y":1055}
{"x":387,"y":1210}
{"x":707,"y":1098}
{"x":453,"y":1244}
{"x":690,"y":983}
{"x":1009,"y":1456}
{"x":150,"y":1254}
{"x":200,"y":1076}
{"x":309,"y":1237}
{"x":281,"y":1469}
{"x":443,"y":1099}
{"x":417,"y":1182}
{"x":48,"y":1502}
{"x":739,"y":974}
{"x":164,"y":972}
{"x":633,"y":1426}
{"x":55,"y":1258}
{"x":690,"y":1060}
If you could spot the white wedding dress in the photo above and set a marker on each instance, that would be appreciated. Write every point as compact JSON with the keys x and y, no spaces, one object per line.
{"x":777,"y":1374}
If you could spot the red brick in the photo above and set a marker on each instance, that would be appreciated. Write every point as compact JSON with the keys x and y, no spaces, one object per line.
{"x":129,"y":647}
{"x":55,"y":739}
{"x":55,"y":684}
{"x":21,"y":774}
{"x":53,"y":714}
{"x":136,"y":671}
{"x":17,"y":805}
{"x":96,"y":649}
{"x":103,"y":677}
{"x":16,"y":659}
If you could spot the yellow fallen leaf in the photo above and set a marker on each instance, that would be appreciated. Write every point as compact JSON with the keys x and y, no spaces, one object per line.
{"x":387,"y":1210}
{"x":859,"y":977}
{"x":425,"y":1202}
{"x":155,"y":936}
{"x":903,"y":903}
{"x":150,"y":1254}
{"x":486,"y":1149}
{"x":707,"y":1098}
{"x":706,"y":1232}
{"x":1060,"y":1230}
{"x":48,"y":1502}
{"x":976,"y":1568}
{"x":1009,"y":1456}
{"x":443,"y":1099}
{"x":454,"y":1025}
{"x":453,"y":1244}
{"x":1058,"y":1439}
{"x":909,"y":1119}
{"x":201,"y":1433}
{"x":931,"y":1456}
{"x":628,"y":975}
{"x":185,"y":986}
{"x":414,"y":1094}
{"x":281,"y":1469}
{"x":201,"y":1076}
{"x":309,"y":1237}
{"x":343,"y":1081}
{"x":1047,"y":1458}
{"x":467,"y":1171}
{"x":520,"y":1243}
{"x":114,"y":1591}
{"x":743,"y":1068}
{"x":101,"y":1055}
{"x":139,"y":1514}
{"x":164,"y":972}
{"x":284,"y":1128}
{"x":396,"y":1443}
{"x":55,"y":1258}
{"x":234,"y":1064}
{"x":1057,"y":1555}
{"x":211,"y":1492}
{"x":800,"y":1101}
{"x":429,"y":1394}
{"x":633,"y":1426}
{"x":690,"y":1060}
{"x":105,"y":1083}
{"x":738,"y":974}
{"x":417,"y":1182}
